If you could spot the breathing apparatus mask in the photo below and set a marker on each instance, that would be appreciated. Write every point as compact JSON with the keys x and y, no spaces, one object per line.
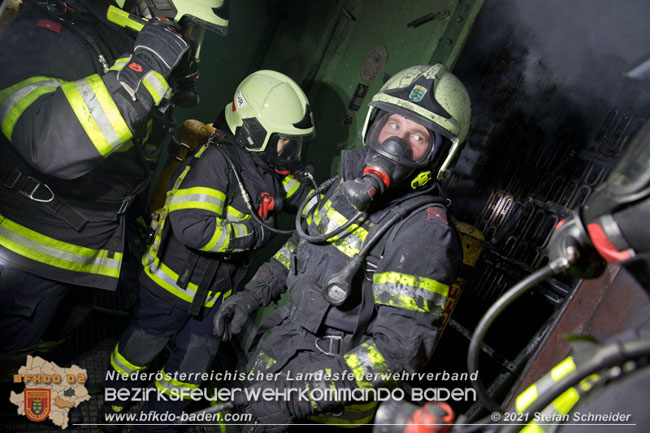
{"x":613,"y":223}
{"x":284,"y":153}
{"x":391,"y":161}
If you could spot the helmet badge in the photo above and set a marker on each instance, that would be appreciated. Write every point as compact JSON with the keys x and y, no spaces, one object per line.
{"x":417,"y":93}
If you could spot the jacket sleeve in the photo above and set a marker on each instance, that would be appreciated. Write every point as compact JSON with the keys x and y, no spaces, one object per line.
{"x":296,"y":191}
{"x":199,"y":213}
{"x":270,"y":279}
{"x":410,"y":288}
{"x":65,"y":128}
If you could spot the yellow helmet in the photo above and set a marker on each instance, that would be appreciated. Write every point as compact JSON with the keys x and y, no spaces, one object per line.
{"x":432,"y":96}
{"x":269,"y":105}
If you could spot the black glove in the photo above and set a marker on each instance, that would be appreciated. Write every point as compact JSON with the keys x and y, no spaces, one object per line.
{"x":272,"y":416}
{"x":158,"y":47}
{"x":233,"y":314}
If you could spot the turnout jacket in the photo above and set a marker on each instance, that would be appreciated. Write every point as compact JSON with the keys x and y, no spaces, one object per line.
{"x":205,"y":220}
{"x":69,"y":164}
{"x":408,"y":274}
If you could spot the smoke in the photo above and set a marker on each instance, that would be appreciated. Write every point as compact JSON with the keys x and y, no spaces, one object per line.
{"x":541,"y":75}
{"x":585,"y":45}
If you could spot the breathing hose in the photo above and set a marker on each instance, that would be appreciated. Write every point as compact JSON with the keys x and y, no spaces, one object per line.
{"x":608,"y":356}
{"x":322,"y":238}
{"x":248,"y":201}
{"x":494,"y":311}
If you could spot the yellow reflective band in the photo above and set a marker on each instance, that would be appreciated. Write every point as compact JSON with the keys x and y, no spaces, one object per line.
{"x":310,"y":204}
{"x":198,"y":198}
{"x":262,"y":362}
{"x":409,"y":292}
{"x":240,"y":230}
{"x":170,"y":386}
{"x":122,"y":19}
{"x":235,"y":215}
{"x":284,"y":254}
{"x":526,"y":398}
{"x":157,"y":241}
{"x":354,"y":415}
{"x":428,"y":284}
{"x":353,"y":362}
{"x":290,"y":184}
{"x":588,"y":382}
{"x":97,"y":113}
{"x":565,"y":402}
{"x":119,"y":64}
{"x":361,"y":407}
{"x":350,"y":241}
{"x":371,"y":364}
{"x":563,"y":368}
{"x":122,"y":365}
{"x":56,"y":253}
{"x":164,"y":277}
{"x":16,"y":99}
{"x":220,"y":238}
{"x":156,"y":85}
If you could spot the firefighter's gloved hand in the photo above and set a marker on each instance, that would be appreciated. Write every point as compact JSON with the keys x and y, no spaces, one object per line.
{"x":327,"y":369}
{"x":233,"y":314}
{"x":272,"y":416}
{"x":157,"y":50}
{"x":160,"y":46}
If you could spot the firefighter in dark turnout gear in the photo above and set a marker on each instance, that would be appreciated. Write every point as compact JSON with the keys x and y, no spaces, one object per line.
{"x":206,"y":227}
{"x":388,"y":321}
{"x":76,"y":95}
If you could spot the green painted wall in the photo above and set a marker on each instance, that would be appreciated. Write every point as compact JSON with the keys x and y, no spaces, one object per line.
{"x":327,"y":47}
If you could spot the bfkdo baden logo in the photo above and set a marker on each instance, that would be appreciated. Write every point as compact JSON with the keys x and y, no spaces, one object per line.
{"x":50,"y":391}
{"x":37,"y":403}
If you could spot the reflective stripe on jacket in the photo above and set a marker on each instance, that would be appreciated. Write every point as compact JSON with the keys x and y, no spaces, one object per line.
{"x":205,"y":214}
{"x":66,"y":124}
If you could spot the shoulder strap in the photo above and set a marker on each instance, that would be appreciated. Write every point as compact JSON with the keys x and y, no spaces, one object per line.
{"x":404,"y":210}
{"x":226,"y":147}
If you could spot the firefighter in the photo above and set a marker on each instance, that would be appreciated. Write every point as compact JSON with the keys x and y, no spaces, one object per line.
{"x":205,"y":229}
{"x":76,"y":95}
{"x":387,"y":320}
{"x":601,"y":382}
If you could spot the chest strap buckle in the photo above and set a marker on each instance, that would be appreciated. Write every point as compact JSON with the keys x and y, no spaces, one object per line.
{"x":334,"y":344}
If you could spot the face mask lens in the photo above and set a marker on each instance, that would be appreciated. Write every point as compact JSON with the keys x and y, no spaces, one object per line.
{"x":289,"y":149}
{"x":390,"y":129}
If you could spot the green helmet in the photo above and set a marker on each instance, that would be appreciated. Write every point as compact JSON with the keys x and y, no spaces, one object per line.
{"x":433,"y":97}
{"x":269,"y":105}
{"x":213,"y":14}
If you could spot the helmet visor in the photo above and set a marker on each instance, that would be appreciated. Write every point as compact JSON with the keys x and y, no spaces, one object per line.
{"x":417,"y":141}
{"x":288,"y":149}
{"x":284,"y":152}
{"x":209,"y":26}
